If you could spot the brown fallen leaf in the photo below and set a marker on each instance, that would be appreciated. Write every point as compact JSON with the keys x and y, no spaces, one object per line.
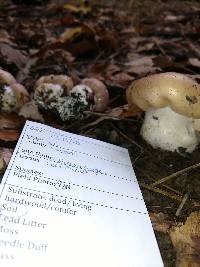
{"x":2,"y":164}
{"x":11,"y":121}
{"x":186,"y":241}
{"x":9,"y":135}
{"x":194,"y":62}
{"x":118,"y":113}
{"x":69,"y":34}
{"x":121,"y":79}
{"x":141,"y":66}
{"x":123,"y":112}
{"x":106,"y":38}
{"x":84,"y":8}
{"x":77,"y":40}
{"x":5,"y":37}
{"x":12,"y":55}
{"x":160,"y":222}
{"x":6,"y":154}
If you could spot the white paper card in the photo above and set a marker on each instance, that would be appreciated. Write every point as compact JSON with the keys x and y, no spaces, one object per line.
{"x":68,"y":200}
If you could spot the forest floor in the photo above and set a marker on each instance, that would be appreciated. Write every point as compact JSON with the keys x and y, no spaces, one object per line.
{"x":116,"y":44}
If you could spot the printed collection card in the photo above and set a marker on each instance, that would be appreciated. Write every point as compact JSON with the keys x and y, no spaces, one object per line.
{"x":69,"y":200}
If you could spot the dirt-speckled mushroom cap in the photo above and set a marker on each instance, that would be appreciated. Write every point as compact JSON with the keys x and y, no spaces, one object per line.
{"x":62,"y":80}
{"x":6,"y":77}
{"x":101,"y":95}
{"x":170,"y":89}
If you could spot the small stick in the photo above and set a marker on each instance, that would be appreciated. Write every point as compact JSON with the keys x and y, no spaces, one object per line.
{"x":178,"y":212}
{"x":162,"y":192}
{"x":175,"y":174}
{"x":168,"y":194}
{"x":105,"y":116}
{"x":153,"y":179}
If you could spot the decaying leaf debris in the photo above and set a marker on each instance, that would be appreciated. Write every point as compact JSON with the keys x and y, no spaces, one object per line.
{"x":186,"y":240}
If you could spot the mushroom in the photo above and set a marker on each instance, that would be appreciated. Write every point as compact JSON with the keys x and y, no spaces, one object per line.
{"x":12,"y":94}
{"x":49,"y":89}
{"x":56,"y":92}
{"x":91,"y":94}
{"x":172,"y":104}
{"x":101,"y":95}
{"x":80,"y":98}
{"x":83,"y":94}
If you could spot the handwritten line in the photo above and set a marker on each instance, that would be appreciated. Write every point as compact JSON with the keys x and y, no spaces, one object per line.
{"x":89,"y":188}
{"x":78,"y":141}
{"x":84,"y":201}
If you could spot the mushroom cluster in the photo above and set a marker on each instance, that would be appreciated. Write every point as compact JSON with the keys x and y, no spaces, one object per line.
{"x":12,"y":94}
{"x":172,"y":104}
{"x":58,"y":94}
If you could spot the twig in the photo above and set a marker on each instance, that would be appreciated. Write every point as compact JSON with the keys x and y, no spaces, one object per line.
{"x":105,"y":116}
{"x":155,"y":40}
{"x":178,"y":212}
{"x":173,"y":196}
{"x":162,"y":192}
{"x":152,"y":179}
{"x":175,"y":174}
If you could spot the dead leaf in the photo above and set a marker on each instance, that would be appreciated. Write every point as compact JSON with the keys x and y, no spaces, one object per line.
{"x":6,"y":154}
{"x":141,"y":44}
{"x":111,"y":69}
{"x":141,"y":66}
{"x":9,"y":135}
{"x":186,"y":239}
{"x":5,"y":37}
{"x":2,"y":164}
{"x":12,"y":55}
{"x":84,"y":8}
{"x":123,"y":112}
{"x":160,"y":222}
{"x":121,"y":79}
{"x":194,"y":62}
{"x":119,"y":113}
{"x":78,"y":40}
{"x":69,"y":34}
{"x":139,"y":61}
{"x":59,"y":55}
{"x":106,"y":38}
{"x":10,"y":121}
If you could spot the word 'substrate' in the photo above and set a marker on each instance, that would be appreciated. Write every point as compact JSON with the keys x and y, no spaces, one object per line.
{"x":68,"y":200}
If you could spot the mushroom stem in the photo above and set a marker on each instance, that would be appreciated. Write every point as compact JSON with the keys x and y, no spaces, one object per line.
{"x":163,"y":128}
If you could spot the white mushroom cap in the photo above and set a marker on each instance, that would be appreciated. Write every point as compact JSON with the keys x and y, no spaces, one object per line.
{"x":177,"y":91}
